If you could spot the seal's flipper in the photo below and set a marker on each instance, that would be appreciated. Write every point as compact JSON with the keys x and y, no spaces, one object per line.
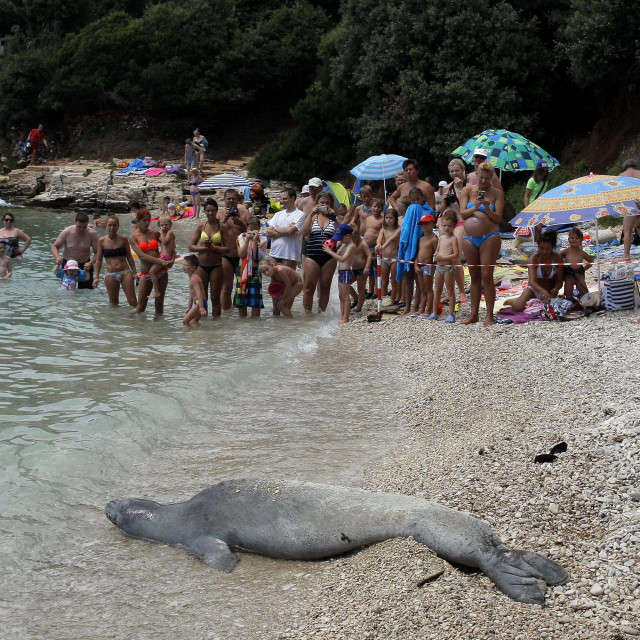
{"x":215,"y":553}
{"x":524,"y":575}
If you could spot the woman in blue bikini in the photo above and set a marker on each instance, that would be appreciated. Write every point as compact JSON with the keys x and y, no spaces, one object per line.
{"x":481,"y":208}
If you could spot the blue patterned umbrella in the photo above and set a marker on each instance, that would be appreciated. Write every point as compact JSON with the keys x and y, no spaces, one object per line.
{"x":587,"y":198}
{"x":506,"y":150}
{"x":379,"y":167}
{"x":225,"y":181}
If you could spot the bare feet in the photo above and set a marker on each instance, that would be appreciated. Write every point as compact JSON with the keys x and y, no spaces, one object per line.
{"x":471,"y":320}
{"x":155,"y":294}
{"x":343,"y":321}
{"x":463,"y":298}
{"x":488,"y":321}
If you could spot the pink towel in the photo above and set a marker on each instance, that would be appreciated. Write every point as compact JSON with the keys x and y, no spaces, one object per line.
{"x":154,"y":172}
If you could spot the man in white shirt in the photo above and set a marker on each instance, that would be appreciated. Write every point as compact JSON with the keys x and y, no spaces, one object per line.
{"x":284,"y":231}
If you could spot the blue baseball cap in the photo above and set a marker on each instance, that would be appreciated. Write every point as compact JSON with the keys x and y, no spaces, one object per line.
{"x":342,"y":231}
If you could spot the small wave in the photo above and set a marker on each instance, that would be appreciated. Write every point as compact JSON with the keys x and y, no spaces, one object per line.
{"x":4,"y":203}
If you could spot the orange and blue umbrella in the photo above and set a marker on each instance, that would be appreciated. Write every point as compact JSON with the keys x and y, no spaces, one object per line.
{"x":581,"y":200}
{"x":507,"y":151}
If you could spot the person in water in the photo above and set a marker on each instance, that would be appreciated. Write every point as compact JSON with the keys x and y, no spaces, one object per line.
{"x":6,"y":268}
{"x":197,"y":307}
{"x":121,"y":268}
{"x":10,"y":236}
{"x":70,"y":275}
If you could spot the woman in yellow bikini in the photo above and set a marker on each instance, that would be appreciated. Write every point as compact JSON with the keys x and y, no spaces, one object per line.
{"x":209,"y":242}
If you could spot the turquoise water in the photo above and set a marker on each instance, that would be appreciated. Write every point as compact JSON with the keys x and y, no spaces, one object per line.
{"x":97,"y":403}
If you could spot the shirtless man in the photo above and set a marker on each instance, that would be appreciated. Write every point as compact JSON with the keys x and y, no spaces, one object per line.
{"x":629,"y":169}
{"x":303,"y":197}
{"x":78,"y":241}
{"x":307,"y":205}
{"x":411,"y":168}
{"x":371,"y":226}
{"x":480,"y":156}
{"x":233,"y":220}
{"x":363,"y":211}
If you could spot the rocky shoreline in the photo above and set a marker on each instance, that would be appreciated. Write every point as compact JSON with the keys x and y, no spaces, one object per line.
{"x":92,"y":185}
{"x":478,"y":405}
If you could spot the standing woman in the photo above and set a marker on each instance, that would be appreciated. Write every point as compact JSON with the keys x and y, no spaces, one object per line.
{"x":319,"y":266}
{"x":145,"y":244}
{"x":209,"y":241}
{"x":451,"y":200}
{"x":121,"y":267}
{"x":11,"y":236}
{"x":195,"y":178}
{"x":203,"y":143}
{"x":481,"y":208}
{"x":538,"y":183}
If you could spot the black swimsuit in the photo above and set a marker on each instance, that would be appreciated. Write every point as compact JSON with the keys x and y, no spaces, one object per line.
{"x":316,"y":241}
{"x":115,"y":253}
{"x":11,"y":243}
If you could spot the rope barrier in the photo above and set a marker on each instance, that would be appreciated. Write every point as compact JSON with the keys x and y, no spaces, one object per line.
{"x":521,"y":264}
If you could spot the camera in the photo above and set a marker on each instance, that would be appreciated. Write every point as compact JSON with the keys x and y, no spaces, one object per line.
{"x":450,"y":199}
{"x":333,"y":217}
{"x":323,"y":208}
{"x":233,"y":211}
{"x":480,"y":194}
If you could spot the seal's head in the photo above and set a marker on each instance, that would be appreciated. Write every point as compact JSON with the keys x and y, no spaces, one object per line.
{"x":134,"y":516}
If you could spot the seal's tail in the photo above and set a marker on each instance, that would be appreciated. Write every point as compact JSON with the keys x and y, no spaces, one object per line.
{"x":524,"y":575}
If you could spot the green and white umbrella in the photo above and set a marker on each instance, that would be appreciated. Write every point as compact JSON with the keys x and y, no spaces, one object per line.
{"x":506,"y":151}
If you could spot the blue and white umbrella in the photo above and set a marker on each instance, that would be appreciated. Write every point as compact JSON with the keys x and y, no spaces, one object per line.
{"x":225,"y":181}
{"x":379,"y":167}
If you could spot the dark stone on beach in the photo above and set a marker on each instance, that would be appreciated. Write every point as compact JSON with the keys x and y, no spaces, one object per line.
{"x":561,"y":447}
{"x":544,"y":457}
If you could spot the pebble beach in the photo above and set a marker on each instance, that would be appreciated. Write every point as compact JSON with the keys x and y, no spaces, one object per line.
{"x":476,"y":406}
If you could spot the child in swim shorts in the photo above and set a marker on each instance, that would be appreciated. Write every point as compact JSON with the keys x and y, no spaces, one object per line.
{"x":344,"y":255}
{"x":445,"y":256}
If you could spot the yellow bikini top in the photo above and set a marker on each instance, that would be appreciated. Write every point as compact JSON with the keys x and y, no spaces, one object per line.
{"x":215,"y":238}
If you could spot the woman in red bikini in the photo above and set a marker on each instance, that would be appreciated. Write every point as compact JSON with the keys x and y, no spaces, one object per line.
{"x":144,"y":243}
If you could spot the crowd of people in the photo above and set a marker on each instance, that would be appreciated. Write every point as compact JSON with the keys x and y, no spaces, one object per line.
{"x":422,"y":234}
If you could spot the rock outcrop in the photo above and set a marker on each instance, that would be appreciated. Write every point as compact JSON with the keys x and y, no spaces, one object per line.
{"x":95,"y":186}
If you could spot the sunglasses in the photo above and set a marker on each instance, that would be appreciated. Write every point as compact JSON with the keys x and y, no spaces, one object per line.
{"x":7,"y":219}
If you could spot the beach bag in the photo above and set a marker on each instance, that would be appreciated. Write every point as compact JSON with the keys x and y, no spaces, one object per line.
{"x":523,"y":232}
{"x":620,"y":295}
{"x":26,"y":149}
{"x":148,"y":162}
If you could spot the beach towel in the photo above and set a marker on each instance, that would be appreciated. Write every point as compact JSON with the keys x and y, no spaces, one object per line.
{"x":154,"y":172}
{"x":136,"y":166}
{"x":189,"y":213}
{"x":410,"y":234}
{"x":516,"y":317}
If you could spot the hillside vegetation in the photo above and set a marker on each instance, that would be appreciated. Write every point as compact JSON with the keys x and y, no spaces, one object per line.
{"x":359,"y":77}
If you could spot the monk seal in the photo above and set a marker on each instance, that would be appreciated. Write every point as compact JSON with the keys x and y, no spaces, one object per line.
{"x":308,"y":521}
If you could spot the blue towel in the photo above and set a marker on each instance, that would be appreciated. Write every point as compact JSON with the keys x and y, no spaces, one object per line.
{"x":410,"y":234}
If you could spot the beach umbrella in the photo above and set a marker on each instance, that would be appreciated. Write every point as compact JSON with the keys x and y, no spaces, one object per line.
{"x":581,"y":200}
{"x":379,"y":168}
{"x":340,"y":194}
{"x":507,"y":151}
{"x":225,"y":181}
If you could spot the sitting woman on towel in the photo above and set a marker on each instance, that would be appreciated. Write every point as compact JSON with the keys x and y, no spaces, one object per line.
{"x":481,"y":208}
{"x":546,"y":273}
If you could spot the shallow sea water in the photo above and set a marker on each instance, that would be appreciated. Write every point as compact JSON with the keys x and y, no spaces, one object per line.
{"x":97,"y":403}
